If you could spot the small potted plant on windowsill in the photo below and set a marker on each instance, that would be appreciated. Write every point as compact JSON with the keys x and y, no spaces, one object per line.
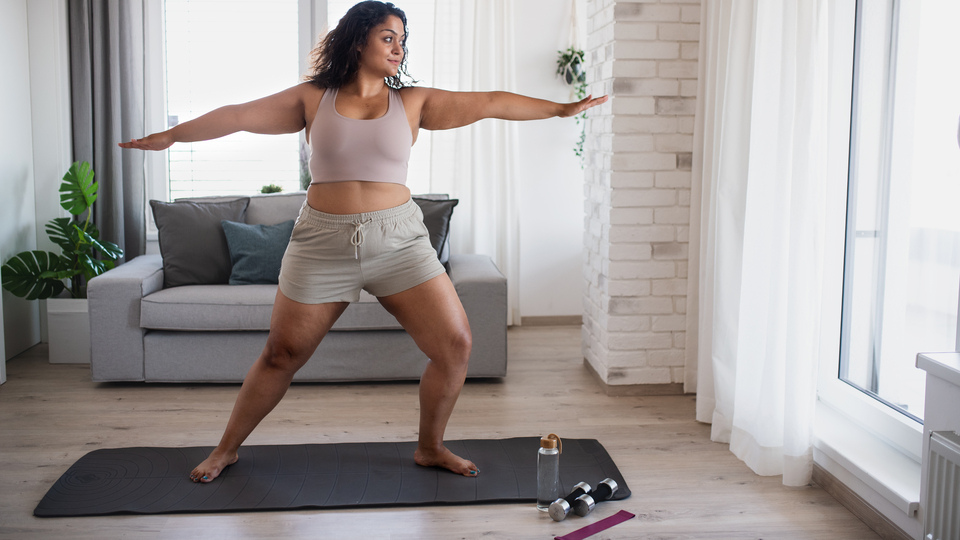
{"x":41,"y":275}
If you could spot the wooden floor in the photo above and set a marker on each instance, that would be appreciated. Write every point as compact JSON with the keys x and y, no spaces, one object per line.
{"x":684,"y":485}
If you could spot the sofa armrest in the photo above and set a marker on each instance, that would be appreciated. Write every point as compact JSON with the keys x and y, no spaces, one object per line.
{"x":483,"y":292}
{"x":113,"y":300}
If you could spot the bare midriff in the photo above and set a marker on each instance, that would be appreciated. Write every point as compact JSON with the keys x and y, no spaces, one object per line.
{"x":356,"y":197}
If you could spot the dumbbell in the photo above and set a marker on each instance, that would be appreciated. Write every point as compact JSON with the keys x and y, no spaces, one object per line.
{"x":560,"y":508}
{"x":584,"y":504}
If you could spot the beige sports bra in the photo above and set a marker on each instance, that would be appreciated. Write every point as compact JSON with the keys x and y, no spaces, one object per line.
{"x":344,"y":149}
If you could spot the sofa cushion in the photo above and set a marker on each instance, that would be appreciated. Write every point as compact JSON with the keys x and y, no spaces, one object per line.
{"x":436,"y":216}
{"x":256,"y":251}
{"x":273,"y":208}
{"x":242,"y":307}
{"x":192,"y":242}
{"x":264,"y":208}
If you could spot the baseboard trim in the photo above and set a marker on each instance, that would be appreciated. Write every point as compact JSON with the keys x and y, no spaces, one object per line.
{"x":559,"y":320}
{"x":617,"y":390}
{"x":885,"y":528}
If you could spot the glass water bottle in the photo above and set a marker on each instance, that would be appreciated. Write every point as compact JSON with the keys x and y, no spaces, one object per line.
{"x":548,"y":471}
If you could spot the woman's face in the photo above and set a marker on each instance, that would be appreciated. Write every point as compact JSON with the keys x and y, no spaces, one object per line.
{"x":383,"y":51}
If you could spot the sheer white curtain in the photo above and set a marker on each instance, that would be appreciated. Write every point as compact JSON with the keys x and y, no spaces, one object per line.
{"x":483,"y":172}
{"x":755,"y":265}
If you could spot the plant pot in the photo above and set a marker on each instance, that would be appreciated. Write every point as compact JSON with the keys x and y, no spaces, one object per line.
{"x":68,"y":330}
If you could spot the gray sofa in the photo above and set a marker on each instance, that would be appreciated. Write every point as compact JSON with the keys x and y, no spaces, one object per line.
{"x":141,"y":331}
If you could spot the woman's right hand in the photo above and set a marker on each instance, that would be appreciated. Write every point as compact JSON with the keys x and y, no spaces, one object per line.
{"x":156,"y":141}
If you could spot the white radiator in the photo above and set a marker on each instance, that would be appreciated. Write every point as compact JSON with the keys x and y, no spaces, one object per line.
{"x":942,"y":514}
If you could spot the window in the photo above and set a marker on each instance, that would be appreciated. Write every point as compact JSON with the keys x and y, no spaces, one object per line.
{"x":221,"y":52}
{"x":217,"y":52}
{"x":902,"y":246}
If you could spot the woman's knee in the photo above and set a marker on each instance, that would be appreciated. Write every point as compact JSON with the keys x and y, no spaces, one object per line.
{"x":464,"y":342}
{"x":284,"y":356}
{"x":457,"y":345}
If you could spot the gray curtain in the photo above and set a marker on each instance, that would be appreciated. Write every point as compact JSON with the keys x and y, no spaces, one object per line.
{"x":106,"y":72}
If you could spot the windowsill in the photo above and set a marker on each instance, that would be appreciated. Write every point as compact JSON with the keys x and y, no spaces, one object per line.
{"x":945,"y":366}
{"x":881,"y":468}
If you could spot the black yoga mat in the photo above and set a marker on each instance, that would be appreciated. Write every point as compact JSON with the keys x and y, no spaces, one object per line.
{"x":155,"y":480}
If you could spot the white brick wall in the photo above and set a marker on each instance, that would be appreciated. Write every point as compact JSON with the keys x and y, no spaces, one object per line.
{"x":638,"y":155}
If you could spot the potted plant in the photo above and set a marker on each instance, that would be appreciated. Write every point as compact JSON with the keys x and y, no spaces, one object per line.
{"x":39,"y":275}
{"x":570,"y":68}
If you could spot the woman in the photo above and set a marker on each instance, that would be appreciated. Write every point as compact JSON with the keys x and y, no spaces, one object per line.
{"x":359,"y":227}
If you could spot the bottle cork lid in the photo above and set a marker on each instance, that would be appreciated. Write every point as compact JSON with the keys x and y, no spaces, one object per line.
{"x":551,"y":441}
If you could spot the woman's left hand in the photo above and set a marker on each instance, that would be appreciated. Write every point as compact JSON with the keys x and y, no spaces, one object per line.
{"x":573,"y":109}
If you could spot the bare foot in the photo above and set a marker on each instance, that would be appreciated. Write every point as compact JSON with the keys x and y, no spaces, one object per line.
{"x":446,"y":459}
{"x":213,"y":466}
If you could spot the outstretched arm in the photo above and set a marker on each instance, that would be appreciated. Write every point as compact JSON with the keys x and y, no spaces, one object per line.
{"x":280,"y":113}
{"x":441,"y":109}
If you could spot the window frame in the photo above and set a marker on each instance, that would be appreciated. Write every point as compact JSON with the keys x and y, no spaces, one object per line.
{"x":892,"y":426}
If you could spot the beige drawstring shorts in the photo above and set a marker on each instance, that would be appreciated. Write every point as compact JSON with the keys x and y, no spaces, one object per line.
{"x":331,"y":257}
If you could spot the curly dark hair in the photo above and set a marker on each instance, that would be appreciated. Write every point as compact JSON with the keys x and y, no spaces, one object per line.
{"x":335,"y":60}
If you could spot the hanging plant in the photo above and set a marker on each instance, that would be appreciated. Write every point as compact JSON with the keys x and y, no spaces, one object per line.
{"x":570,"y":68}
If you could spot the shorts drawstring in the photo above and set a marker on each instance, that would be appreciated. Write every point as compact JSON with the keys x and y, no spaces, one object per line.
{"x":357,"y":238}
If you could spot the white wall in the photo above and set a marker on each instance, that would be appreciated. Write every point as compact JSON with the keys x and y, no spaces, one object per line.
{"x":50,"y":111}
{"x":3,"y":340}
{"x":18,"y":229}
{"x":637,"y":189}
{"x":551,"y":191}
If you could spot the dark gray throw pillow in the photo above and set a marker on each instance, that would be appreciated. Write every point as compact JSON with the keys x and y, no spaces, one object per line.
{"x":192,"y":242}
{"x":256,"y":251}
{"x":436,"y":216}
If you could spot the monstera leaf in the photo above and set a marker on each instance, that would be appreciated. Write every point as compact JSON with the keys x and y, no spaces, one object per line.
{"x":89,"y":264}
{"x":61,"y":232}
{"x":78,"y":190}
{"x":36,"y":274}
{"x":91,"y":236}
